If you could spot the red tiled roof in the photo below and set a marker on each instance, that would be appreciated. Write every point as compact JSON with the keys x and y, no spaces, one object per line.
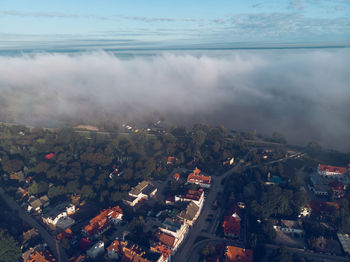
{"x":318,"y":207}
{"x":235,"y":254}
{"x":41,"y":256}
{"x":102,"y":221}
{"x":162,"y":249}
{"x":335,"y":169}
{"x":176,"y":176}
{"x":166,"y":239}
{"x":49,"y":156}
{"x":171,"y":160}
{"x":196,"y":177}
{"x":231,"y":225}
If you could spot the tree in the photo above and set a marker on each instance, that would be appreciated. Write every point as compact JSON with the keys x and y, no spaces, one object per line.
{"x":281,"y":255}
{"x":9,"y":248}
{"x":13,"y":165}
{"x":38,"y":187}
{"x":137,"y":225}
{"x":208,"y":250}
{"x":87,"y":192}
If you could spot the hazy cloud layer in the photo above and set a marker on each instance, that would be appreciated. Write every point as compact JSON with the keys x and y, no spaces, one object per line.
{"x":302,"y":93}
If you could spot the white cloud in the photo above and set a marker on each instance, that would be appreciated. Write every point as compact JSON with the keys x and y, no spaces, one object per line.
{"x":303,"y":93}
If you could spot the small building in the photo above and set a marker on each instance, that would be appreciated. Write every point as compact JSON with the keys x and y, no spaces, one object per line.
{"x":171,"y":160}
{"x":38,"y":254}
{"x":37,"y":204}
{"x":318,"y":187}
{"x":143,"y":191}
{"x":238,"y":254}
{"x":232,"y":226}
{"x":305,"y":211}
{"x":332,"y":172}
{"x":344,"y":240}
{"x":176,"y":228}
{"x":291,"y":227}
{"x":197,"y":178}
{"x":96,"y":249}
{"x":176,"y":176}
{"x":58,"y":216}
{"x":131,"y":252}
{"x":49,"y":156}
{"x":337,"y":188}
{"x":197,"y":196}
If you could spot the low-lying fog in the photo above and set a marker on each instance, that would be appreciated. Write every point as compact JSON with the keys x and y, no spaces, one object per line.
{"x":303,"y":93}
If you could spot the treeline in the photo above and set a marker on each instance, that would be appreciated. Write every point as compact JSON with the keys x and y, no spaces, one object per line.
{"x":82,"y":162}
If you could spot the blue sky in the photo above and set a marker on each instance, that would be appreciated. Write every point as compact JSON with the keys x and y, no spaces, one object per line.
{"x":166,"y":22}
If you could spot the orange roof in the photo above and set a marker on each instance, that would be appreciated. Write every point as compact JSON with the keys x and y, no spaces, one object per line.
{"x":166,"y":239}
{"x":171,"y":160}
{"x":235,"y":254}
{"x":116,"y":245}
{"x":41,"y":256}
{"x":176,"y":176}
{"x":335,"y":169}
{"x":196,"y":177}
{"x":231,"y":225}
{"x":102,"y":220}
{"x":159,"y":248}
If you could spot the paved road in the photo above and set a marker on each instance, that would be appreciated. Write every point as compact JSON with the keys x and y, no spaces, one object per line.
{"x":185,"y":250}
{"x":307,"y":254}
{"x":50,"y":240}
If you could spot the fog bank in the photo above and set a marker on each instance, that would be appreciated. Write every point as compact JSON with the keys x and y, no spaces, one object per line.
{"x":304,"y":94}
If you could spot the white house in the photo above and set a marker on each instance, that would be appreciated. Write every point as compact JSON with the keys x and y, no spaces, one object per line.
{"x":96,"y":249}
{"x":291,"y":227}
{"x":144,"y":190}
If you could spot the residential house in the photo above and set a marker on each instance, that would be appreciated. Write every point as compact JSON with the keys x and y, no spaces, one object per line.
{"x":197,"y":178}
{"x":143,"y":191}
{"x":321,"y":208}
{"x":38,"y":254}
{"x":238,"y":254}
{"x":102,"y":222}
{"x":176,"y":228}
{"x":291,"y":227}
{"x":58,"y":216}
{"x":317,"y":186}
{"x":176,"y":176}
{"x":344,"y":240}
{"x":131,"y":252}
{"x":171,"y":160}
{"x":232,"y":225}
{"x":337,"y":188}
{"x":197,"y":196}
{"x":332,"y":172}
{"x":190,"y":214}
{"x":37,"y":204}
{"x":305,"y":211}
{"x":96,"y":249}
{"x":161,"y":249}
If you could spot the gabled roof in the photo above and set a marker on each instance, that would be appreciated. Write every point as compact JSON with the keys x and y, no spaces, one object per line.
{"x":231,"y":225}
{"x":166,"y":239}
{"x":102,"y":220}
{"x":235,"y":254}
{"x":335,"y":169}
{"x":144,"y":187}
{"x":196,"y":177}
{"x":190,"y":212}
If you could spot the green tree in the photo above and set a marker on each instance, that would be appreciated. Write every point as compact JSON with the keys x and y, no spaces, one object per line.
{"x":87,"y":192}
{"x":13,"y":165}
{"x":281,"y":255}
{"x":208,"y":250}
{"x":9,"y":248}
